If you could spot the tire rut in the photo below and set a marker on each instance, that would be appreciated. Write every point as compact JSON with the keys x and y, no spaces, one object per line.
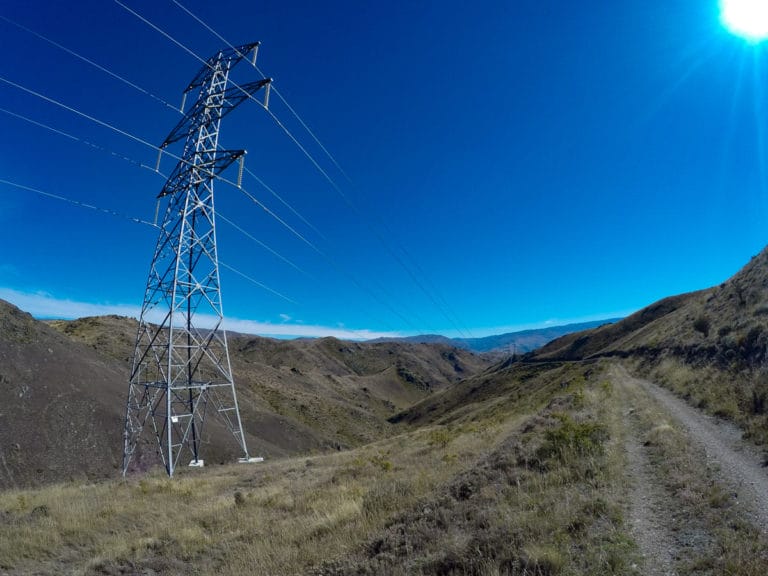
{"x":648,"y":506}
{"x":737,"y":464}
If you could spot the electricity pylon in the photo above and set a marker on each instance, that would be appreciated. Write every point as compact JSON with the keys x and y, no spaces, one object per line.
{"x":181,"y":360}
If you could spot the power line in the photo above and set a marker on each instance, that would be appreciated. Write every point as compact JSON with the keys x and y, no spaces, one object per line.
{"x":77,"y":202}
{"x":143,"y":91}
{"x":149,"y":144}
{"x":140,"y":165}
{"x":82,"y":141}
{"x":135,"y":220}
{"x":257,"y":283}
{"x":277,"y":92}
{"x":248,"y":95}
{"x":443,"y":307}
{"x":109,"y":126}
{"x":334,"y":264}
{"x":161,"y":31}
{"x":79,"y":113}
{"x":284,"y":202}
{"x":280,"y":220}
{"x":262,"y":244}
{"x":89,"y":61}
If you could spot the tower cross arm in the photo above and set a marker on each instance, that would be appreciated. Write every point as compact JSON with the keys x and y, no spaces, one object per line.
{"x":230,"y":56}
{"x":180,"y":177}
{"x":233,"y":96}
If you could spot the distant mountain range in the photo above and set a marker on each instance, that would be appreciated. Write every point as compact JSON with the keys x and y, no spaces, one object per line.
{"x":509,"y":343}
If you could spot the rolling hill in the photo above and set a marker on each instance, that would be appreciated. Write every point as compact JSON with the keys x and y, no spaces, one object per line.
{"x":66,"y":383}
{"x":561,"y":461}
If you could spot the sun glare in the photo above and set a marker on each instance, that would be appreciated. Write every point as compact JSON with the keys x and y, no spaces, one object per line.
{"x":746,"y":18}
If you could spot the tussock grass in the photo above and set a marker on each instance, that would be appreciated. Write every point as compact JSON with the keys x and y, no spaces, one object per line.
{"x":275,"y":518}
{"x":533,"y":491}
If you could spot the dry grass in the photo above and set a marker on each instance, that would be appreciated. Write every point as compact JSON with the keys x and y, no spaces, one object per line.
{"x":276,"y":518}
{"x":737,"y":395}
{"x":532,"y":493}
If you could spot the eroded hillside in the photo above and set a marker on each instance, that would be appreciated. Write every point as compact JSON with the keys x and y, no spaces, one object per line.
{"x":67,"y":383}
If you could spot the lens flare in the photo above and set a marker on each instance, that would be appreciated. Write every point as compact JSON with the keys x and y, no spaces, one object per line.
{"x":746,"y":18}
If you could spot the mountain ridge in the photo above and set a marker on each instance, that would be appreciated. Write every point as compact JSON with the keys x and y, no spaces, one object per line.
{"x":517,"y":342}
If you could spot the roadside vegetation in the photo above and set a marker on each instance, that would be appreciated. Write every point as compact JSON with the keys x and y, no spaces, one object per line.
{"x":736,"y":394}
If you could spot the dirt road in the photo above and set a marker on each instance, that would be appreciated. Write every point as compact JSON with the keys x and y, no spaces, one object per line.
{"x":672,"y":523}
{"x":738,"y":464}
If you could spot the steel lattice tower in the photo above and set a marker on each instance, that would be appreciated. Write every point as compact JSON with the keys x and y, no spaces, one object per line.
{"x":180,"y":367}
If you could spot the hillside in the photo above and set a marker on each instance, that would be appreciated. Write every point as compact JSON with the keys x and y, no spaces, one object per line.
{"x":724,"y":325}
{"x":66,"y":384}
{"x":312,"y":394}
{"x":62,"y":404}
{"x":543,"y":469}
{"x":709,"y":346}
{"x":508,"y":343}
{"x":561,"y":462}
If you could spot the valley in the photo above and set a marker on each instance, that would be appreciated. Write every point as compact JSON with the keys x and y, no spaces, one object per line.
{"x":632,"y":448}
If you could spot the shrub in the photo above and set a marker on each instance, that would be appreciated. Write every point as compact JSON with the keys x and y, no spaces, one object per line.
{"x":724,"y":331}
{"x":573,"y":438}
{"x":701,"y":324}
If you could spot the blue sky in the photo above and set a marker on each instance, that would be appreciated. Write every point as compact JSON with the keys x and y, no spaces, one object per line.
{"x":510,"y":164}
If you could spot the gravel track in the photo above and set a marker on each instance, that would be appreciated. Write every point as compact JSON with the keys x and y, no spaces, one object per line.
{"x":738,"y":465}
{"x":648,"y":505}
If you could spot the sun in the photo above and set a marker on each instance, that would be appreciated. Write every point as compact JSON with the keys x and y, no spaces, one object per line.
{"x":746,"y":18}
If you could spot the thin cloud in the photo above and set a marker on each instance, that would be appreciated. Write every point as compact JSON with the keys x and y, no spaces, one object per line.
{"x":42,"y":305}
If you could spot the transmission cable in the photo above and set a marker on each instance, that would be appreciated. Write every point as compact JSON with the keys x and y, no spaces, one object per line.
{"x":77,"y":202}
{"x":276,"y":91}
{"x":256,"y":282}
{"x":150,"y":145}
{"x":220,"y":216}
{"x":146,"y":143}
{"x":284,"y":202}
{"x":137,"y":221}
{"x":271,"y":114}
{"x":444,"y":308}
{"x":83,"y":141}
{"x":243,"y":90}
{"x":154,"y":171}
{"x":143,"y":91}
{"x":91,"y":62}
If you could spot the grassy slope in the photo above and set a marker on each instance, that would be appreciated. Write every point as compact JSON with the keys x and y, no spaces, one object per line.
{"x":710,"y":346}
{"x":61,"y":407}
{"x":530,"y":484}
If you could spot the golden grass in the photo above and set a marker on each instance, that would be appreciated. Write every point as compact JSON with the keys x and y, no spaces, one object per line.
{"x":556,"y":509}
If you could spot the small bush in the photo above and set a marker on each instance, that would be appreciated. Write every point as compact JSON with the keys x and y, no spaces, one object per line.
{"x":440,"y":437}
{"x":724,"y":331}
{"x":573,"y":438}
{"x":702,"y":324}
{"x":758,"y":402}
{"x":659,"y":435}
